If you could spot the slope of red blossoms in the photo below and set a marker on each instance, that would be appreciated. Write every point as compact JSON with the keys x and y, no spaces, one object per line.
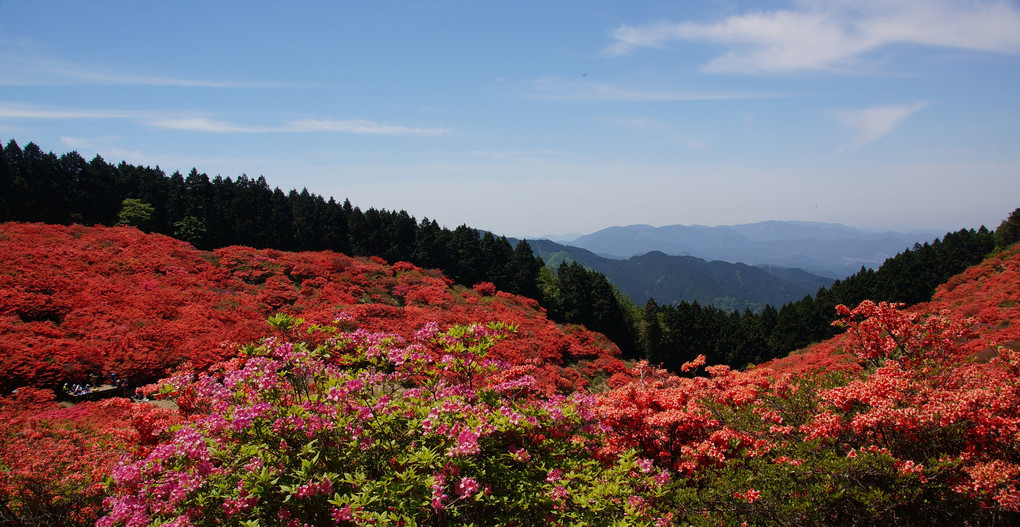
{"x":916,"y":410}
{"x":988,"y":294}
{"x":76,"y":301}
{"x":911,"y":416}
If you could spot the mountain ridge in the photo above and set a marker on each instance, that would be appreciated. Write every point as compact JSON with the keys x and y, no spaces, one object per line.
{"x":671,"y":279}
{"x":831,"y":250}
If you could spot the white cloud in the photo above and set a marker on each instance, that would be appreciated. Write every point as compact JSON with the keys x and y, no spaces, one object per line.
{"x":351,"y":126}
{"x":29,"y":111}
{"x":558,"y":89}
{"x":356,"y":126}
{"x":204,"y":124}
{"x":527,"y":156}
{"x":664,"y":130}
{"x":90,"y":143}
{"x":829,"y":34}
{"x":79,"y":75}
{"x":870,"y":124}
{"x":20,"y":67}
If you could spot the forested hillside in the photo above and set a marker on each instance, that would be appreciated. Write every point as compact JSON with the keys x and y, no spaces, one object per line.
{"x":219,"y":212}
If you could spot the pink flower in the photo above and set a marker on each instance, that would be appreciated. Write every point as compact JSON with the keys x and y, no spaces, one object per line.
{"x":467,"y":444}
{"x":343,"y":513}
{"x":521,"y":455}
{"x":466,"y":487}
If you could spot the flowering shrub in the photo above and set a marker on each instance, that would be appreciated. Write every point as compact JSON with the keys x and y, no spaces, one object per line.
{"x":369,"y":429}
{"x":54,"y":461}
{"x":921,"y":432}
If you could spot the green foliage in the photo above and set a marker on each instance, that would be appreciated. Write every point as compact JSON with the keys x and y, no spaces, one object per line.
{"x":581,"y":296}
{"x":1008,"y":232}
{"x":136,"y":213}
{"x":191,"y":230}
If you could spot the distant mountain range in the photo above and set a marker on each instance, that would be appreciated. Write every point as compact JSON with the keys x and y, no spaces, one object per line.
{"x":825,"y":249}
{"x":672,"y":279}
{"x":730,"y":267}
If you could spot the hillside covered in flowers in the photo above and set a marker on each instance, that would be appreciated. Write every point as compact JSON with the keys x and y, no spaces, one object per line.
{"x":77,"y":300}
{"x":380,"y":394}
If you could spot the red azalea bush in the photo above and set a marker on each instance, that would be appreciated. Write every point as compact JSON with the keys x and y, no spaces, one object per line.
{"x":987,"y":293}
{"x":76,"y":301}
{"x":922,"y":431}
{"x":56,"y":460}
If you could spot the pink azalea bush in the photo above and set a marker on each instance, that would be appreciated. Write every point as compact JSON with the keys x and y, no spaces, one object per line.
{"x":369,"y":429}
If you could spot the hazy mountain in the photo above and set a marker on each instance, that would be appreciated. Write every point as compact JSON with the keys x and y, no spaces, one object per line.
{"x":558,"y":238}
{"x":671,"y":279}
{"x":825,"y":249}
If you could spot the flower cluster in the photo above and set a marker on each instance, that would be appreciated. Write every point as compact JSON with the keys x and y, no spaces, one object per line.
{"x":366,"y":427}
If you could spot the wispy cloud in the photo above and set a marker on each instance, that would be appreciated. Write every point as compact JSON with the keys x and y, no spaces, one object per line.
{"x":20,"y":66}
{"x":555,"y":88}
{"x":173,"y":121}
{"x":202,"y":124}
{"x":833,"y":35}
{"x":527,"y":155}
{"x":664,"y":130}
{"x":356,"y":126}
{"x":870,"y":124}
{"x":30,"y":111}
{"x":90,"y":143}
{"x":70,"y":74}
{"x":351,"y":126}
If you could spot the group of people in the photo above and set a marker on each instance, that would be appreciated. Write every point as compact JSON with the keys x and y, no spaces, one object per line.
{"x":82,"y":390}
{"x":117,"y":381}
{"x":77,"y":390}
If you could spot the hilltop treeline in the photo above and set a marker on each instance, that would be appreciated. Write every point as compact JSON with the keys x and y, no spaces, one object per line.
{"x":219,"y":212}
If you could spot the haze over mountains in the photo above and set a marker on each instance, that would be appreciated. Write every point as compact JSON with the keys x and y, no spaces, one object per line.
{"x":826,"y":249}
{"x":730,"y":267}
{"x":670,"y":279}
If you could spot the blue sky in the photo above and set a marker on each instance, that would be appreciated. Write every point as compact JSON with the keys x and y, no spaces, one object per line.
{"x":530,"y":118}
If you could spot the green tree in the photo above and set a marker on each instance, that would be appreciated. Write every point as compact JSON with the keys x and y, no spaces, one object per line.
{"x":191,"y":230}
{"x":1008,"y":232}
{"x":651,"y":333}
{"x":523,"y":271}
{"x":137,"y":213}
